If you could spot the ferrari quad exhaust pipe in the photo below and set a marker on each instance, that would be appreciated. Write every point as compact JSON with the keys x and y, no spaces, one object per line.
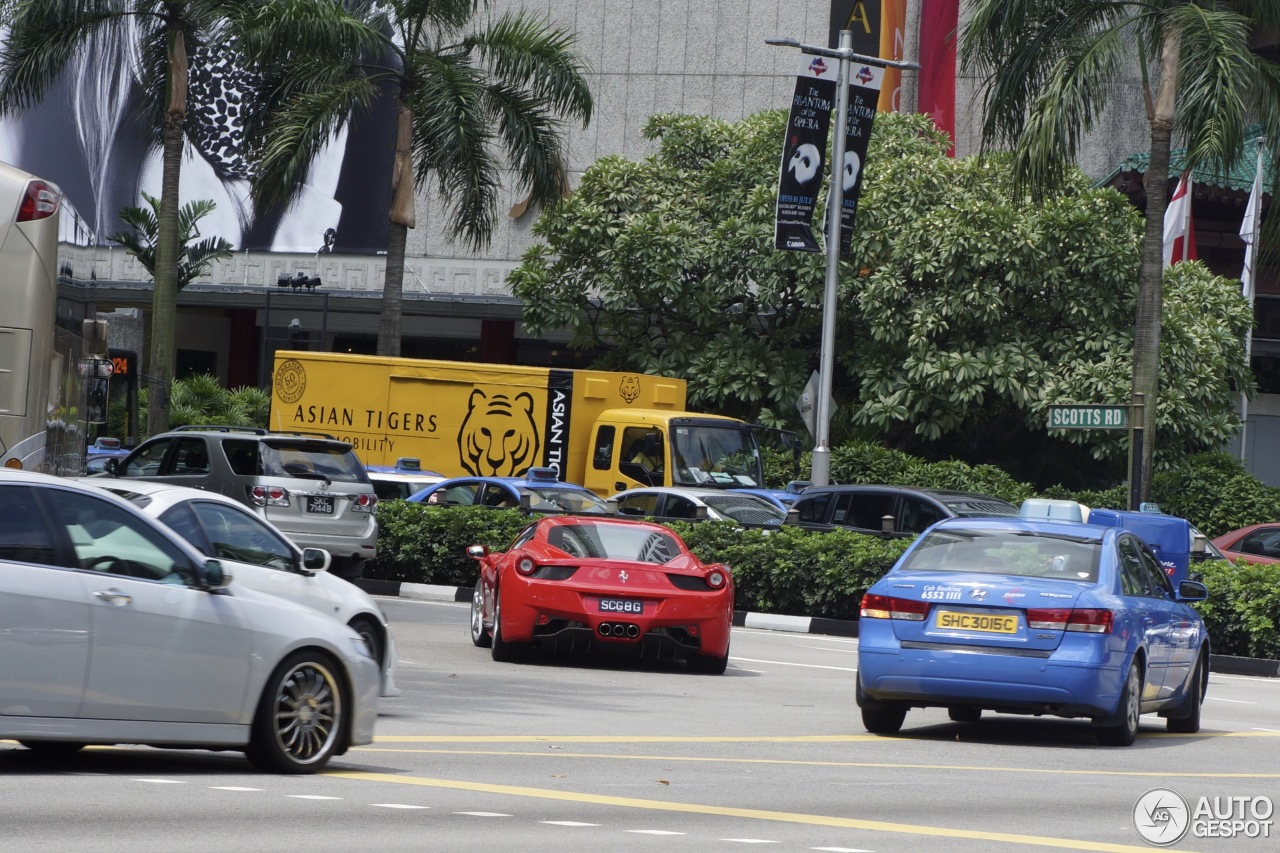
{"x":619,"y":629}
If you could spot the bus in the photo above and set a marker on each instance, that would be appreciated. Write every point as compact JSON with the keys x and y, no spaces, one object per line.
{"x":46,"y":372}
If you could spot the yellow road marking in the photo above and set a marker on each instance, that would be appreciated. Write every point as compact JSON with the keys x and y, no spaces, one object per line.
{"x":784,"y":761}
{"x":729,"y":811}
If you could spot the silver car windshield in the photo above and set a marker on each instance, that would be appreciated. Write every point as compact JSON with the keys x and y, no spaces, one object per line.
{"x":312,"y":462}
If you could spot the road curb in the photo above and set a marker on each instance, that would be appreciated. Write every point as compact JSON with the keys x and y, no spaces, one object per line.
{"x":1223,"y":664}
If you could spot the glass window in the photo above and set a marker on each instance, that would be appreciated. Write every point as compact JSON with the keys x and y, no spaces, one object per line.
{"x":643,"y":504}
{"x":240,"y":536}
{"x":1157,"y":581}
{"x":190,"y":457}
{"x":614,"y":542}
{"x":726,"y":456}
{"x":866,"y":510}
{"x":1133,"y":579}
{"x":1264,"y":542}
{"x":499,"y":497}
{"x":108,"y":539}
{"x":311,"y":461}
{"x":813,"y":509}
{"x":916,"y":515}
{"x":602,"y":459}
{"x":462,"y":494}
{"x":24,"y":537}
{"x":678,"y":507}
{"x":182,"y":521}
{"x":242,"y":456}
{"x":146,"y":461}
{"x":1007,"y":552}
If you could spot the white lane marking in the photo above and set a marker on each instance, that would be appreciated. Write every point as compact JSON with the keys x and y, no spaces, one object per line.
{"x":567,"y":823}
{"x":828,"y":649}
{"x":1263,"y":679}
{"x":750,"y":840}
{"x":1232,"y":701}
{"x":653,"y":832}
{"x":788,"y":663}
{"x":232,"y":788}
{"x":744,"y":669}
{"x":397,"y":806}
{"x":162,"y":781}
{"x":484,"y":814}
{"x":841,"y":849}
{"x":792,"y":635}
{"x":1257,"y":729}
{"x":311,"y":797}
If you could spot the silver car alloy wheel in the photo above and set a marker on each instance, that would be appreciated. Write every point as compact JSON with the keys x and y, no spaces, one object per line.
{"x":308,"y":706}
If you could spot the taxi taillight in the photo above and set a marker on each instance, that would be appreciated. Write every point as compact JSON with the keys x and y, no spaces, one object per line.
{"x":1087,"y":620}
{"x":876,"y":606}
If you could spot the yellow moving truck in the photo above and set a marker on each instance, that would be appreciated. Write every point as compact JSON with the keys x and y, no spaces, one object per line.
{"x":606,"y":431}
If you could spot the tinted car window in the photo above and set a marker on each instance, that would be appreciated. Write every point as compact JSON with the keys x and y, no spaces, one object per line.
{"x":865,"y":510}
{"x":182,"y":521}
{"x":146,"y":461}
{"x":108,"y":539}
{"x":309,"y":460}
{"x":238,"y":536}
{"x":1133,"y":580}
{"x":813,"y":508}
{"x":918,"y":515}
{"x":190,"y":457}
{"x":242,"y":456}
{"x":999,"y":552}
{"x":24,"y":537}
{"x":641,"y":504}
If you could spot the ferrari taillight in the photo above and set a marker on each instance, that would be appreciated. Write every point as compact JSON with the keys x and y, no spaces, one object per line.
{"x":715,"y":579}
{"x":526,"y":566}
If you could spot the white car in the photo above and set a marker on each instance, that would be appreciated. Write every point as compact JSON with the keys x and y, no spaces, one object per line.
{"x":262,"y":557}
{"x":115,"y":630}
{"x":663,"y":502}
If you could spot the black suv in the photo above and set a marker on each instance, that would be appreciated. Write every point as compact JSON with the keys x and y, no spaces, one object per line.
{"x":312,"y":487}
{"x":895,"y":511}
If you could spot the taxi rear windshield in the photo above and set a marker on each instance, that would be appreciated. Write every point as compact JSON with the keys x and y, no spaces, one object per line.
{"x":1007,"y":553}
{"x":310,"y":461}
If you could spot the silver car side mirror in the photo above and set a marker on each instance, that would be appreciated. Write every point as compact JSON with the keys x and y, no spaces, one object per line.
{"x":316,"y":560}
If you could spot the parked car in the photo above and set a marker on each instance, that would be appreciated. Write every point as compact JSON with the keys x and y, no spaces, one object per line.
{"x":1032,"y":617}
{"x":537,"y":491}
{"x":399,"y":481}
{"x":716,"y":504}
{"x":118,"y":631}
{"x":616,"y":585}
{"x":1257,"y":543}
{"x":895,"y":511}
{"x":310,"y":486}
{"x":262,"y":557}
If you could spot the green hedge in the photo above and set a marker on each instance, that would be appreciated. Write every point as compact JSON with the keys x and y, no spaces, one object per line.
{"x":1242,"y":608}
{"x":427,"y":544}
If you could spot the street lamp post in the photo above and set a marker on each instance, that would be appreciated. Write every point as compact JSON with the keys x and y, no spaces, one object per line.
{"x":821,"y":466}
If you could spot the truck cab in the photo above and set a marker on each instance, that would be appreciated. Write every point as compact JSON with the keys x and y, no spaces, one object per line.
{"x":650,"y":447}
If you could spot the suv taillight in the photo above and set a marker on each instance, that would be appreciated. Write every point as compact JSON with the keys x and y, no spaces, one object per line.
{"x":269,"y":496}
{"x":364,"y":503}
{"x":39,"y":202}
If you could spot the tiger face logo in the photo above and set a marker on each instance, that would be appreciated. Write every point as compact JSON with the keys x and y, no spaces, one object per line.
{"x":630,"y":388}
{"x":499,"y":437}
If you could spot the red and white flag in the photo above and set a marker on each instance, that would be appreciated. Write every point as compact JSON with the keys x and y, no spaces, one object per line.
{"x":1179,"y":235}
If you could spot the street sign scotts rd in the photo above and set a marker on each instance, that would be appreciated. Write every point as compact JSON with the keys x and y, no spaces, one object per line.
{"x":1089,"y":417}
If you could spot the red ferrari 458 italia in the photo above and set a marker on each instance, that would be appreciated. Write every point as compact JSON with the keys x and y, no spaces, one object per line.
{"x":624,"y":586}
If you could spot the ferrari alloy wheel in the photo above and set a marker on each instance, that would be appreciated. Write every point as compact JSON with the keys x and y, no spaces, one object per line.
{"x":1186,"y":719}
{"x":501,"y":650}
{"x":1128,"y":711}
{"x":300,"y":717}
{"x":709,"y":664}
{"x":479,"y":636}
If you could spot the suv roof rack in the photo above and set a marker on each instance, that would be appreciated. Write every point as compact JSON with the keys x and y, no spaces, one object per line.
{"x":219,"y":428}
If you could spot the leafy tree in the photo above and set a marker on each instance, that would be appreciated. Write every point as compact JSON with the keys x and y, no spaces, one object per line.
{"x":194,"y":258}
{"x":966,"y":310}
{"x":472,"y":98}
{"x":1050,"y":66}
{"x":45,"y":35}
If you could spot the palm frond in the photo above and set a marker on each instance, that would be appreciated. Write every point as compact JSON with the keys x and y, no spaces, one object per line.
{"x":1217,"y":71}
{"x":521,"y":50}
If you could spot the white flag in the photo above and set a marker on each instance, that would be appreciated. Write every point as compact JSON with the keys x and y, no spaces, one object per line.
{"x":1179,"y":240}
{"x":1252,"y":215}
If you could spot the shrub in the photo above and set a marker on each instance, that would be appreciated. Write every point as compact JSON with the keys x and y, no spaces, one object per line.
{"x":428,"y":544}
{"x":1216,"y":494}
{"x":1242,"y":608}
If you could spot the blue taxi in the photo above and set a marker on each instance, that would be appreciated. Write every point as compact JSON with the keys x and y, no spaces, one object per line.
{"x":1032,"y":616}
{"x":538,"y":491}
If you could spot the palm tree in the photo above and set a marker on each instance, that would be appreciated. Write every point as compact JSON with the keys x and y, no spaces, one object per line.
{"x":1050,"y":66}
{"x":470,"y":97}
{"x":194,"y":258}
{"x":45,"y":36}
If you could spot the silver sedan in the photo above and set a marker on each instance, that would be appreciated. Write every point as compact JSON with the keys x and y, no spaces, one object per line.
{"x":115,"y":630}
